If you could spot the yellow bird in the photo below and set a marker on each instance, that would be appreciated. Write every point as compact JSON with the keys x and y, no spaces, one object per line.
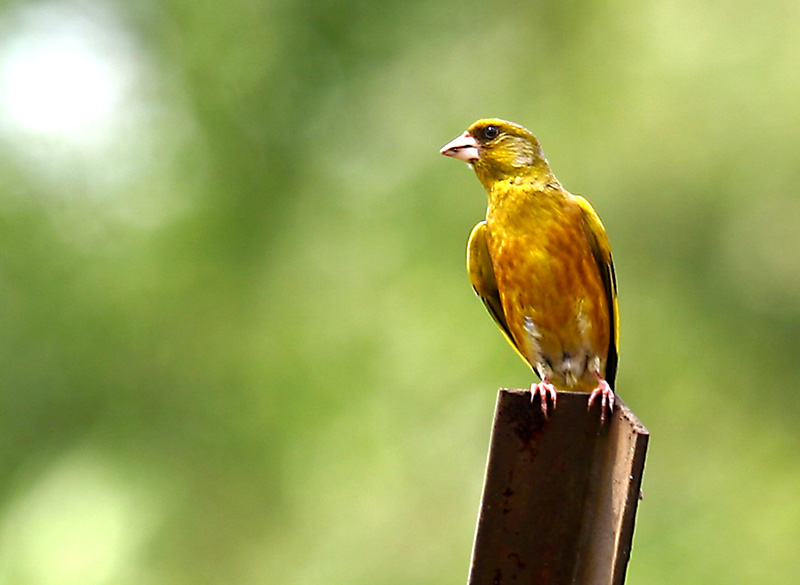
{"x":541,"y":263}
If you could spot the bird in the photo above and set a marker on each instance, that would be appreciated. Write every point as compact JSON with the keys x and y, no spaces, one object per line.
{"x":541,"y":263}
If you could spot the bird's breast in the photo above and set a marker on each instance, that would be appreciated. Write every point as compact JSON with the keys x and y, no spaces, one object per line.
{"x":550,"y":288}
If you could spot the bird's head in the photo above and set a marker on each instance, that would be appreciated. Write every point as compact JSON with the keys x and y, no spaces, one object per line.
{"x":499,"y":150}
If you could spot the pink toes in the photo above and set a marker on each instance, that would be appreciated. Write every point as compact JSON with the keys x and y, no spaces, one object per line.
{"x":544,"y":389}
{"x":606,"y":395}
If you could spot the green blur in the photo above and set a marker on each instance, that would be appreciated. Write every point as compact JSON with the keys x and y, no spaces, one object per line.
{"x":238,"y":341}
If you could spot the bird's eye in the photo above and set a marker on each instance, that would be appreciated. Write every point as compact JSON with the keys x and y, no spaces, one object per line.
{"x":491,"y":132}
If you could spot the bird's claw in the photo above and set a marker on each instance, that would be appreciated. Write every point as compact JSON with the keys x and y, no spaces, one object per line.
{"x":544,"y":389}
{"x":606,"y":395}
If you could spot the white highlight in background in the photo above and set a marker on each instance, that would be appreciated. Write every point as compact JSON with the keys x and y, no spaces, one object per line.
{"x":64,"y":74}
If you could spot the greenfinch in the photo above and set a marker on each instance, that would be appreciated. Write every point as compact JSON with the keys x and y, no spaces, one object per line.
{"x":541,"y":263}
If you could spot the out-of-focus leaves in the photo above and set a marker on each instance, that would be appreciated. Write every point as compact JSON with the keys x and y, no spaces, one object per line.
{"x":238,"y":343}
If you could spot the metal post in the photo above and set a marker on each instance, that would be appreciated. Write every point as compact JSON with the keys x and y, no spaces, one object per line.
{"x":560,"y":494}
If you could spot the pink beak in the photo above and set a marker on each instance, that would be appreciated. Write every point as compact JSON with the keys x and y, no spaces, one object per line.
{"x":464,"y":147}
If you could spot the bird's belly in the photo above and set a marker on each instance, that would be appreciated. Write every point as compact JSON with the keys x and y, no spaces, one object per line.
{"x":554,"y":301}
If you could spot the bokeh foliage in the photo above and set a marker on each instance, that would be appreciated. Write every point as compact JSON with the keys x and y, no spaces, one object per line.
{"x":238,"y":341}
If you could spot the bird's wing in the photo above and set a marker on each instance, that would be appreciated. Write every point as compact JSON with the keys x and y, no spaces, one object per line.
{"x":601,"y":249}
{"x":481,"y":275}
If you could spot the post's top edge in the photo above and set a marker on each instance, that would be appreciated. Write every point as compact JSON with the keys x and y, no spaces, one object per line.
{"x":624,"y":411}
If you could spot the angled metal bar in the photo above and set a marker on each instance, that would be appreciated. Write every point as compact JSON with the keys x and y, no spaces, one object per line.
{"x":560,"y":494}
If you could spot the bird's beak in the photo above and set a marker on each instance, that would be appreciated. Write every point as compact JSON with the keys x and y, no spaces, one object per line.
{"x":464,"y":147}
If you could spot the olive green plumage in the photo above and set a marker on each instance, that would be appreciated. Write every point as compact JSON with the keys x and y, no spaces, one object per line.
{"x":541,"y":262}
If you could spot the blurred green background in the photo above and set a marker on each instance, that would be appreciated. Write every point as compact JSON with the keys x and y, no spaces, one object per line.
{"x":238,"y":342}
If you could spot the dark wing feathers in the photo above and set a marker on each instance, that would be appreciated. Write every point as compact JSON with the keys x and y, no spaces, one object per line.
{"x":601,"y":250}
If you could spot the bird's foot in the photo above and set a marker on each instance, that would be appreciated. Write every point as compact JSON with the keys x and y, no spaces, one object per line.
{"x":606,"y":395}
{"x":544,"y":389}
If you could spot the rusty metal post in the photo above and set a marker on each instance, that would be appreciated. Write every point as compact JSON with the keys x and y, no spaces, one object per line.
{"x":560,"y":494}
